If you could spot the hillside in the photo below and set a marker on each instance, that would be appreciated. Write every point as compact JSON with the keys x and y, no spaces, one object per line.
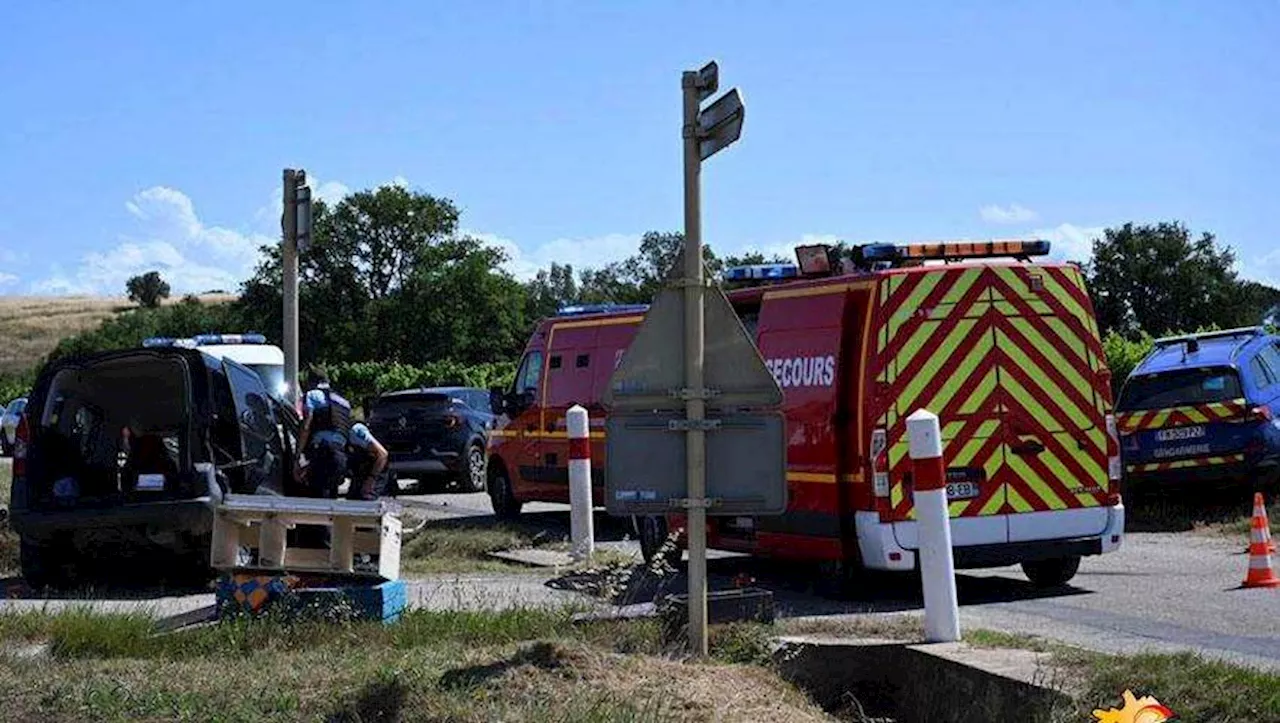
{"x":31,"y":326}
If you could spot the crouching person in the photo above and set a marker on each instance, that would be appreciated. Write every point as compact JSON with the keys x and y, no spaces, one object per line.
{"x":367,"y":465}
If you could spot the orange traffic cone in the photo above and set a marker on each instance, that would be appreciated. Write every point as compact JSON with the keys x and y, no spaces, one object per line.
{"x":1260,"y":510}
{"x":1260,"y":572}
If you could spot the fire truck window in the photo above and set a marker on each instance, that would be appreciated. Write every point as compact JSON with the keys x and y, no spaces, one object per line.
{"x":530,"y":373}
{"x":555,"y":362}
{"x":750,"y":317}
{"x":582,"y":361}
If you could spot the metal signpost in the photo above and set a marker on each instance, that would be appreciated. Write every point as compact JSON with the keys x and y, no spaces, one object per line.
{"x":691,"y":369}
{"x":295,"y":223}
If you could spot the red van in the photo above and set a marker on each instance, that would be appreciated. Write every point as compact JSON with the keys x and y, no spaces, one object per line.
{"x":1003,"y":348}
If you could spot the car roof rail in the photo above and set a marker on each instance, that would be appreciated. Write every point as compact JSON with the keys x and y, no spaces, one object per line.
{"x":1247,"y":332}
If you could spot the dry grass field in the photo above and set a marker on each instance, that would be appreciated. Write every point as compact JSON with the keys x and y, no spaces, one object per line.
{"x":31,"y":326}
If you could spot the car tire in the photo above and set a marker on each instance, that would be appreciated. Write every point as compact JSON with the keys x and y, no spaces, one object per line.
{"x":503,"y":497}
{"x":1051,"y":573}
{"x":474,"y":477}
{"x":45,"y":565}
{"x":653,"y":534}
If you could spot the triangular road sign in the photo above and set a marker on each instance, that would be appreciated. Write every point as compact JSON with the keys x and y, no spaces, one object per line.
{"x":650,"y":375}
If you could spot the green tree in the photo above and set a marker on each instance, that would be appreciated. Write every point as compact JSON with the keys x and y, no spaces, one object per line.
{"x":637,"y":279}
{"x":387,"y":276}
{"x":147,"y":289}
{"x":551,"y":289}
{"x":1158,"y":279}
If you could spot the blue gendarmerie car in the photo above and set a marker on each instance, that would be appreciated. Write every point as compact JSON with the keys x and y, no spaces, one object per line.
{"x":1201,"y":409}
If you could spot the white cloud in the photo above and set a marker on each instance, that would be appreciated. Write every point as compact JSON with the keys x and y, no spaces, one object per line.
{"x":171,"y":239}
{"x":1012,"y":213}
{"x":582,"y":253}
{"x":1265,"y":269}
{"x":596,"y":251}
{"x":1068,"y":241}
{"x":7,"y":279}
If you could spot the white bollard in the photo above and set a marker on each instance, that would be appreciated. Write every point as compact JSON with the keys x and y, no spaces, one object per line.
{"x":937,"y":568}
{"x":580,"y":521}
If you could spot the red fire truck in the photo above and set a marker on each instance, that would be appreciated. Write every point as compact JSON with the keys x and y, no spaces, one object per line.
{"x":1002,"y":347}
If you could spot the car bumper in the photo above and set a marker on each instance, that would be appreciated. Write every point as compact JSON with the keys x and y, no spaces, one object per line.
{"x":435,"y":461}
{"x":194,"y":516}
{"x":880,"y":549}
{"x":1202,"y":475}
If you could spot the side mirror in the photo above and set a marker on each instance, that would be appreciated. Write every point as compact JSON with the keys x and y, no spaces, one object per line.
{"x":497,"y":400}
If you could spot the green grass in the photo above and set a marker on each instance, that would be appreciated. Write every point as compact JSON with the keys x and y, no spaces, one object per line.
{"x":518,"y":665}
{"x":440,"y":549}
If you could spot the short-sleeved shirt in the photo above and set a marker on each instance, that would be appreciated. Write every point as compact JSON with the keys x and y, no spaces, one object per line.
{"x":314,"y":401}
{"x":360,"y":436}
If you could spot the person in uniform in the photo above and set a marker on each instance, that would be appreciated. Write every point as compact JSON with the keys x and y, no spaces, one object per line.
{"x":323,"y":439}
{"x":367,"y":460}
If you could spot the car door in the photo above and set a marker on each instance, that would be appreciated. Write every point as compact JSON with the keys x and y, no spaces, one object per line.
{"x":525,"y":409}
{"x":263,"y":452}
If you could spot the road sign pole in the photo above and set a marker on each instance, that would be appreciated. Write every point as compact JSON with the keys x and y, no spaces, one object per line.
{"x":289,"y":260}
{"x":695,"y":406}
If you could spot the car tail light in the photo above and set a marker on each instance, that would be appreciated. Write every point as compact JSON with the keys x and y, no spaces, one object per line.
{"x":451,"y":420}
{"x":21,"y":436}
{"x":1261,"y":413}
{"x":880,"y":463}
{"x":1114,"y":465}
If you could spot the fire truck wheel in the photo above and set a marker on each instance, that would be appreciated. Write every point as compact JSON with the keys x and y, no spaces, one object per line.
{"x":1051,"y":573}
{"x":502,"y":496}
{"x":652,"y":531}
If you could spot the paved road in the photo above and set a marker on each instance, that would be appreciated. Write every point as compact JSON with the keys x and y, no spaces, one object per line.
{"x":1162,"y":591}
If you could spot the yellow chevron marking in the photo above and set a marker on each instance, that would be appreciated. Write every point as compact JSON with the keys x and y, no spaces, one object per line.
{"x":945,"y":356}
{"x":1051,"y":391}
{"x":980,"y":393}
{"x":1050,"y":352}
{"x":910,"y":304}
{"x":941,"y":355}
{"x":967,"y":279}
{"x":1016,"y":501}
{"x":1030,"y":478}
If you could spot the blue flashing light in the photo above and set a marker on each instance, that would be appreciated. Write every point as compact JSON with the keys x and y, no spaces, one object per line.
{"x":163,"y":341}
{"x":581,"y":309}
{"x":1036,"y":248}
{"x":880,"y":252}
{"x":209,"y":339}
{"x":761,"y":272}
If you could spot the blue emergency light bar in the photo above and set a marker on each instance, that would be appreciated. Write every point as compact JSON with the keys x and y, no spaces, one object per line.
{"x":204,"y":340}
{"x":582,"y":309}
{"x":761,"y":272}
{"x":208,"y":339}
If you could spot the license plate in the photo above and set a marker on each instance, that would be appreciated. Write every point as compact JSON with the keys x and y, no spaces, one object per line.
{"x":150,"y":482}
{"x":962,"y":490}
{"x":1179,"y":433}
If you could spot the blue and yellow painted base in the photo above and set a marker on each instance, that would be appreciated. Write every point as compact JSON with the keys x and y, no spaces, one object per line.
{"x":250,"y":593}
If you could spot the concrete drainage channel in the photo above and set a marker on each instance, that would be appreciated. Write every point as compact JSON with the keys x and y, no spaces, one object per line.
{"x":870,"y":680}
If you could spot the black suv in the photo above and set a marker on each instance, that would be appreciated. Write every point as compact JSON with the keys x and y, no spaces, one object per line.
{"x":436,"y":433}
{"x":134,"y":449}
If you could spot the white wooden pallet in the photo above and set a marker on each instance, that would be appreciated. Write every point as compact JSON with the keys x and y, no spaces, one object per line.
{"x":259,"y":522}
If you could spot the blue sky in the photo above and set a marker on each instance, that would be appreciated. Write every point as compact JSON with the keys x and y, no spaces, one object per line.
{"x":138,"y":135}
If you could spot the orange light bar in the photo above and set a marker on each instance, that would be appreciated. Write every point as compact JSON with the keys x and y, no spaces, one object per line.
{"x":973,"y":249}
